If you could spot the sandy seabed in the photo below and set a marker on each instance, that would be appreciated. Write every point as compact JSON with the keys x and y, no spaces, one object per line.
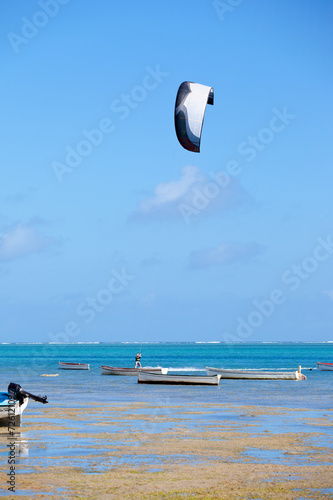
{"x":145,"y":451}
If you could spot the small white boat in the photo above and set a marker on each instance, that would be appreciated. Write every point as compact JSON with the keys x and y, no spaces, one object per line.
{"x":74,"y":366}
{"x":325,"y":366}
{"x":11,"y":410}
{"x":256,"y":374}
{"x":12,"y":405}
{"x":115,"y":370}
{"x":154,"y":378}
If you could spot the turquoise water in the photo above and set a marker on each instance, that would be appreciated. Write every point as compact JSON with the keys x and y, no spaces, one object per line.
{"x":25,"y":363}
{"x":82,"y":442}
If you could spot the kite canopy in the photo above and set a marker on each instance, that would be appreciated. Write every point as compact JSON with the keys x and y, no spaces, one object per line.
{"x":191,"y":102}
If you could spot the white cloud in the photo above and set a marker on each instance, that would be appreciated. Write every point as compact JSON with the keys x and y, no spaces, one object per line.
{"x":223,"y":254}
{"x":169,"y":192}
{"x":22,"y":240}
{"x":193,"y":189}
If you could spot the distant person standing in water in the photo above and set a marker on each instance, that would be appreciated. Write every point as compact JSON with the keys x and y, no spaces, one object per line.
{"x":137,"y":360}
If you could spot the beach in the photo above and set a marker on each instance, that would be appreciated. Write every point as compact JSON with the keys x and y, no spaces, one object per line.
{"x":110,"y":437}
{"x":149,"y":451}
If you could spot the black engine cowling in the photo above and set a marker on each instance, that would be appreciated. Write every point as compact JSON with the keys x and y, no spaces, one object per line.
{"x":16,"y":392}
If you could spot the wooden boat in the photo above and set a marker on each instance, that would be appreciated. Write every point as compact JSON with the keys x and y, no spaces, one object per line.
{"x":325,"y":366}
{"x":13,"y":403}
{"x":114,"y":370}
{"x":256,"y":374}
{"x":154,"y":378}
{"x":74,"y":366}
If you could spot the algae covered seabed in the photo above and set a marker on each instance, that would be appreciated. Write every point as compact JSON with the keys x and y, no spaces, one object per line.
{"x":148,"y":451}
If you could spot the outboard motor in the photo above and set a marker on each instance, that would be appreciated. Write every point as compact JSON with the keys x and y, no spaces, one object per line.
{"x":16,"y":392}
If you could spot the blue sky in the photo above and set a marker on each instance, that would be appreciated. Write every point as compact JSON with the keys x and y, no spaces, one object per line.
{"x":109,"y":230}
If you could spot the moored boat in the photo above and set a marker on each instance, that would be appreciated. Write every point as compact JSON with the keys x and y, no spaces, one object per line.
{"x":116,"y":370}
{"x":324,"y":366}
{"x":256,"y":374}
{"x":11,"y":410}
{"x":13,"y":403}
{"x":74,"y":366}
{"x":154,"y":378}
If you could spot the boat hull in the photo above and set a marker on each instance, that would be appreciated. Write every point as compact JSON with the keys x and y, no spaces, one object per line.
{"x":255,"y":374}
{"x":11,"y":414}
{"x":74,"y":366}
{"x":153,"y":378}
{"x":327,"y":367}
{"x":115,"y":370}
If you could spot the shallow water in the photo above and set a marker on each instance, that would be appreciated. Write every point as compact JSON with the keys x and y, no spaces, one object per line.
{"x":92,"y":421}
{"x":82,"y":440}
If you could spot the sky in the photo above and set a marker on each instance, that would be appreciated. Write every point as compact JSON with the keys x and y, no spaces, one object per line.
{"x":110,"y":231}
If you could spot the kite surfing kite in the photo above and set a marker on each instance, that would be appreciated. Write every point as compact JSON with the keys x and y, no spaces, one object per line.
{"x":191,"y":102}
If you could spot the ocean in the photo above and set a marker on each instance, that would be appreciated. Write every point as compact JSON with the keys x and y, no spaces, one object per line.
{"x":26,"y":363}
{"x":108,"y":434}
